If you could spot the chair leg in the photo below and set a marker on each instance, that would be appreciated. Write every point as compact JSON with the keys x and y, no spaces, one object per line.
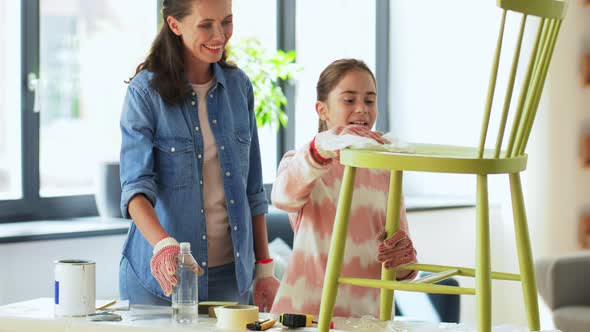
{"x":391,"y":226}
{"x":525,"y":256}
{"x":337,"y":246}
{"x":483,"y":275}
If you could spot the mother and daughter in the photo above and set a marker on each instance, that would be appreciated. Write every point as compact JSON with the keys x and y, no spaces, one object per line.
{"x":191,"y":172}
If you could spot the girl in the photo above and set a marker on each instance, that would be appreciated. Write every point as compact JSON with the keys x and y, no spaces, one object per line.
{"x":190,"y":165}
{"x":307,"y":186}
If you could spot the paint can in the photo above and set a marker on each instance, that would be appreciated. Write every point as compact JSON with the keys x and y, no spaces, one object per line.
{"x":75,"y":287}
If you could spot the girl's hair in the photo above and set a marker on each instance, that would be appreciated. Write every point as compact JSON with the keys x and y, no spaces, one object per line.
{"x":332,"y":75}
{"x":165,"y":58}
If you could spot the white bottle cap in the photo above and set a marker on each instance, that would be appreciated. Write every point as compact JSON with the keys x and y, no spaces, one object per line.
{"x":185,"y":247}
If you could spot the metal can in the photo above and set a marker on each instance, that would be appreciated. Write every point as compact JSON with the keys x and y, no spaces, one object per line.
{"x":75,"y":287}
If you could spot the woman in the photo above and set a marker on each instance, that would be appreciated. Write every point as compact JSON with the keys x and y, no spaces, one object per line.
{"x":190,"y":165}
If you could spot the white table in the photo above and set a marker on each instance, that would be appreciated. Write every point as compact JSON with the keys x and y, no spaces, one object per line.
{"x":37,"y":315}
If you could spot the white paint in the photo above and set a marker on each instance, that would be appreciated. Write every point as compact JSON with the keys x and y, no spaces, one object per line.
{"x":75,"y":287}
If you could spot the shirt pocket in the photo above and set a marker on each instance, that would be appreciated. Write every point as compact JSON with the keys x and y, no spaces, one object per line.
{"x":174,"y":162}
{"x":243,"y":139}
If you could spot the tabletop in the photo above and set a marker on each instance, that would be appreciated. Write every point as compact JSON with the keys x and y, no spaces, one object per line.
{"x":37,"y":315}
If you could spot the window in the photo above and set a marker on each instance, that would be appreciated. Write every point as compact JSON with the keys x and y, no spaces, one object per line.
{"x":88,"y":49}
{"x":10,"y":103}
{"x":59,"y":116}
{"x":75,"y":56}
{"x":347,"y":31}
{"x":247,"y":24}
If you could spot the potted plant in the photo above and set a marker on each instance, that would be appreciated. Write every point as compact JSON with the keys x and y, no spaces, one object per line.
{"x":266,"y":70}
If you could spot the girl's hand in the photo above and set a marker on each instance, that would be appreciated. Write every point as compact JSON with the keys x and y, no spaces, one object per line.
{"x":395,"y":251}
{"x":359,"y":130}
{"x":327,"y":144}
{"x":265,"y":286}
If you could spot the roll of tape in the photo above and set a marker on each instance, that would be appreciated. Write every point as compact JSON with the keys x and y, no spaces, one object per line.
{"x":235,"y":317}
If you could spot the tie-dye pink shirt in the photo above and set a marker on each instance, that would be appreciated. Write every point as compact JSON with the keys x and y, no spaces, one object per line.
{"x":309,"y":192}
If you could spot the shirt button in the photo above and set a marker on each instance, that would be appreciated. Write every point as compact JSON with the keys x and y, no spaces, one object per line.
{"x":231,"y":201}
{"x":227,"y":173}
{"x":193,"y":93}
{"x":222,"y":147}
{"x":201,"y":181}
{"x":235,"y":228}
{"x":204,"y":237}
{"x":204,"y":263}
{"x":199,"y":156}
{"x":214,"y":121}
{"x":173,"y":149}
{"x":211,"y":96}
{"x":193,"y":103}
{"x":197,"y":128}
{"x":237,"y":254}
{"x":202,"y":211}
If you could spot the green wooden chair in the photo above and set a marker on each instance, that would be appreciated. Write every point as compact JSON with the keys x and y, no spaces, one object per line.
{"x":461,"y":160}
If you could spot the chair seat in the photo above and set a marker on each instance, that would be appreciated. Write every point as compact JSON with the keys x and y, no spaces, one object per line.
{"x":434,"y":158}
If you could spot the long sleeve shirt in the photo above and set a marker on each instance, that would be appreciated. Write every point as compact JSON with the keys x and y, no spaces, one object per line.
{"x":309,"y":192}
{"x":219,"y":246}
{"x":162,"y":158}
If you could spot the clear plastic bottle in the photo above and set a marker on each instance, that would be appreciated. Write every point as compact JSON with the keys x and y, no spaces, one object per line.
{"x":186,"y":293}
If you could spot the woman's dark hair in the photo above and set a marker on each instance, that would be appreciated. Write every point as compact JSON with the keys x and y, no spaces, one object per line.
{"x":332,"y":75}
{"x":165,"y":58}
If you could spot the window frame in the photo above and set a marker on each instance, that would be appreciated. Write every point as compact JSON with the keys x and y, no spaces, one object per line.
{"x":32,"y":205}
{"x":382,"y":53}
{"x":286,"y":40}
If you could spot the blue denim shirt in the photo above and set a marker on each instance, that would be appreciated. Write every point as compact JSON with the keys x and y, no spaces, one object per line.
{"x":161,"y":158}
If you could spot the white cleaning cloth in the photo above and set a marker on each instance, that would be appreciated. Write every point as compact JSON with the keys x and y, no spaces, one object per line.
{"x":358,"y":142}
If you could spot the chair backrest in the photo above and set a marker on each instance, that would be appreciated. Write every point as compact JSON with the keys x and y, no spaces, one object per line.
{"x":550,"y":13}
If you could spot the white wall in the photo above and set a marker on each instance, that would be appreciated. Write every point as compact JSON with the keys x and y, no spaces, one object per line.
{"x":27,"y":267}
{"x":566,"y":112}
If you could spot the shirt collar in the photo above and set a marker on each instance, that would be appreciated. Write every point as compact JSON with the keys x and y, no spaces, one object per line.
{"x":218,"y":76}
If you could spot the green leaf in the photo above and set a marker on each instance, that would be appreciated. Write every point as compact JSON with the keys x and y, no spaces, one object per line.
{"x":266,"y":70}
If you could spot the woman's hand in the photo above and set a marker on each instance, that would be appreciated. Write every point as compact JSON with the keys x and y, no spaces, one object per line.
{"x":164,"y":262}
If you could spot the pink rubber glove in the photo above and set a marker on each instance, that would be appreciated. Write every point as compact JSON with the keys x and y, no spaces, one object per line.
{"x":395,"y":251}
{"x":164,"y":261}
{"x":327,"y":144}
{"x":163,"y":264}
{"x":265,"y":285}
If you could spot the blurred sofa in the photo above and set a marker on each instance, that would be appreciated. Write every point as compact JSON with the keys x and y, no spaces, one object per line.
{"x":447,"y":306}
{"x":564,"y":284}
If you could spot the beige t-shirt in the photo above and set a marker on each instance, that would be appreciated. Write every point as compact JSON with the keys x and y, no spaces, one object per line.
{"x":219,"y":244}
